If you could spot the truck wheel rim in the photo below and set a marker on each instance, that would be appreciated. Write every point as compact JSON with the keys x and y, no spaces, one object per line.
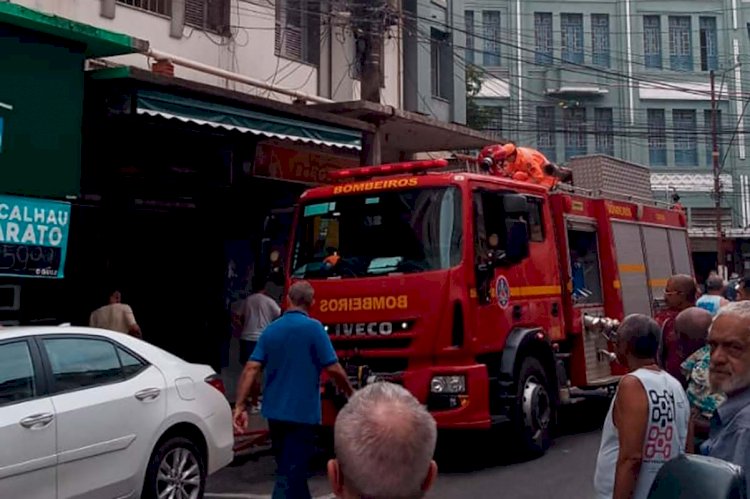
{"x":179,"y":476}
{"x":536,"y":407}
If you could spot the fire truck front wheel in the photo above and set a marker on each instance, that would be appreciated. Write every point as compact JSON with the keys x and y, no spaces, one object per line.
{"x":534,"y":408}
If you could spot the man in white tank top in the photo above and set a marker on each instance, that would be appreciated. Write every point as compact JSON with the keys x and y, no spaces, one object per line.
{"x":648,"y":421}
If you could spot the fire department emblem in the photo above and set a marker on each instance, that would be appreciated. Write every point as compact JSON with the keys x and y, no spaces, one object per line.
{"x":502,"y":290}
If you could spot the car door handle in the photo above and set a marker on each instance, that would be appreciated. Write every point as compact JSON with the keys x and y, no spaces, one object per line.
{"x":37,"y":421}
{"x":147,"y":394}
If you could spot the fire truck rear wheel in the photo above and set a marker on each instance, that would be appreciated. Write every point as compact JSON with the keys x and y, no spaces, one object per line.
{"x":534,"y":412}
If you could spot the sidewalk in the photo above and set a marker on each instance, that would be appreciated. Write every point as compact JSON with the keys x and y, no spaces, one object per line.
{"x":255,"y":440}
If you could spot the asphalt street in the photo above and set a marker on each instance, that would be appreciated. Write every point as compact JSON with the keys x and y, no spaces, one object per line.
{"x":565,"y":471}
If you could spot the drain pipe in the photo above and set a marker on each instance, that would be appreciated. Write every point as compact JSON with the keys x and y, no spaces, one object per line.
{"x":229,"y":75}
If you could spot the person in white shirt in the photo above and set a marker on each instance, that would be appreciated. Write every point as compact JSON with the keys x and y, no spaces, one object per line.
{"x":649,"y":420}
{"x":115,"y":316}
{"x":257,"y":311}
{"x":714,"y":299}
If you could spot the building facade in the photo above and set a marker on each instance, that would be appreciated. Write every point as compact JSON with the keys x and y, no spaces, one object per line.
{"x":630,"y":79}
{"x":310,"y":46}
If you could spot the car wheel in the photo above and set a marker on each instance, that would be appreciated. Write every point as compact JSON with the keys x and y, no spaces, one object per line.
{"x":534,"y":411}
{"x":176,"y":470}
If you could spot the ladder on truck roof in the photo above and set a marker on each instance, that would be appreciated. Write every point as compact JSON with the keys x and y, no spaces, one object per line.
{"x":613,"y":196}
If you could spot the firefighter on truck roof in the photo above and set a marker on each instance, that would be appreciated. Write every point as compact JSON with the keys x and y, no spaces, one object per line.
{"x":519,"y":163}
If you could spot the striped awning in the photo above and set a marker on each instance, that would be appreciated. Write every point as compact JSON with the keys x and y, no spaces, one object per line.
{"x":198,"y":112}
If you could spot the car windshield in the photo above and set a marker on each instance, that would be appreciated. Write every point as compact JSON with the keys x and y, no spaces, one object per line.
{"x":383,"y":233}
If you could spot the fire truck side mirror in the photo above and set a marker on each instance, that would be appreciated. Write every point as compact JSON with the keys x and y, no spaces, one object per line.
{"x":515,"y":205}
{"x":517,"y":241}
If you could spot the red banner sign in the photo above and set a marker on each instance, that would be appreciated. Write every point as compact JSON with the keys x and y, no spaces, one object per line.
{"x":298,"y":166}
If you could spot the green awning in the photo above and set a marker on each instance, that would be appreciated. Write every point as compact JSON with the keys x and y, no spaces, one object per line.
{"x":97,"y":42}
{"x":242,"y":120}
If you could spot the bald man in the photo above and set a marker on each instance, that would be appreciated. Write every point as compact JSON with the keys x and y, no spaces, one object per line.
{"x":691,"y":329}
{"x":680,"y":294}
{"x":384,"y":441}
{"x":692,"y":326}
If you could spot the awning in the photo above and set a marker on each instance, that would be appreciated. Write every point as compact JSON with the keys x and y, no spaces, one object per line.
{"x":96,"y":42}
{"x":199,"y":112}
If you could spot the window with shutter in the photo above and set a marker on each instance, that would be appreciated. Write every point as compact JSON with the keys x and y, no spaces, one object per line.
{"x":545,"y":131}
{"x":709,"y":42}
{"x":603,"y":130}
{"x":685,"y":137}
{"x":574,"y":123}
{"x":652,"y":41}
{"x":706,"y":133}
{"x":572,"y":38}
{"x":208,"y":15}
{"x":469,"y":22}
{"x":543,"y":37}
{"x":680,"y":43}
{"x":491,"y":21}
{"x":163,"y":7}
{"x":297,"y":33}
{"x":657,"y":137}
{"x":600,"y":39}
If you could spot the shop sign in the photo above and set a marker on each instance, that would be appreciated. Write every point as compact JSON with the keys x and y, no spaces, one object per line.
{"x":33,"y":237}
{"x":297,"y":165}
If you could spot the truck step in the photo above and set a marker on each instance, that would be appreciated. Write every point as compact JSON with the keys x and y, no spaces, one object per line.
{"x":573,"y":400}
{"x":499,"y":420}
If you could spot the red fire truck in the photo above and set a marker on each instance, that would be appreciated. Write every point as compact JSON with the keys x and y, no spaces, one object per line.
{"x":489,"y":299}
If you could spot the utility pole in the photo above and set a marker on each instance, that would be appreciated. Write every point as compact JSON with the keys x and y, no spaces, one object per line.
{"x":717,"y":179}
{"x":370,"y":19}
{"x":373,"y":25}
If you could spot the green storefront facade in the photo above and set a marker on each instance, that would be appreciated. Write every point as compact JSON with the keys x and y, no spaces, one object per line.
{"x":41,"y":98}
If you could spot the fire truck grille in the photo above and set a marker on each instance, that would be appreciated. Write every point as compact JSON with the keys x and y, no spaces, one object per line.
{"x":360,"y":344}
{"x":376,"y":365}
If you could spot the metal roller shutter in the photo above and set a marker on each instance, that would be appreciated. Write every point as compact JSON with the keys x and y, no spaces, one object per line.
{"x":659,"y":259}
{"x":632,"y":269}
{"x":678,"y":243}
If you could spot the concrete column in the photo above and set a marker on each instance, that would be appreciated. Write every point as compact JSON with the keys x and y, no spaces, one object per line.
{"x":178,"y":19}
{"x":372,"y":143}
{"x":107,"y":9}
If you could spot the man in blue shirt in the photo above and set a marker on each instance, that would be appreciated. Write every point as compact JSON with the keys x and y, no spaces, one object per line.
{"x":729,"y":372}
{"x":293,"y":350}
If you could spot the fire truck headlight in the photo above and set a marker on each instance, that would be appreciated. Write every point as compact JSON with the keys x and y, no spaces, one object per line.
{"x":448,"y":384}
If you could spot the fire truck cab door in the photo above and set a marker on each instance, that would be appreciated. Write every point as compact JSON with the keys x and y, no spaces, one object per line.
{"x":494,"y":276}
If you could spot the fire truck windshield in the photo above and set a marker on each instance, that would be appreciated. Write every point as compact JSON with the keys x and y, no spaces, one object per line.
{"x":381,"y":233}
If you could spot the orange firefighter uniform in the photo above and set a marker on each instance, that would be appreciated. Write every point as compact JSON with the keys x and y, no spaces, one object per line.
{"x":519,"y":163}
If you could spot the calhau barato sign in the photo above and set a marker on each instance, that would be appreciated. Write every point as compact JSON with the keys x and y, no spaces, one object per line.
{"x":33,"y":237}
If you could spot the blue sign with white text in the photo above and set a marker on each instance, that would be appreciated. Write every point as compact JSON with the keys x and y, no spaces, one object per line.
{"x":33,"y":237}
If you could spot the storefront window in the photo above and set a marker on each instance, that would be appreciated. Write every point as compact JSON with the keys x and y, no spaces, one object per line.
{"x":382,"y":233}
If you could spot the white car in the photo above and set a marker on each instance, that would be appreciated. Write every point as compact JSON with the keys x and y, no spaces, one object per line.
{"x":87,"y":413}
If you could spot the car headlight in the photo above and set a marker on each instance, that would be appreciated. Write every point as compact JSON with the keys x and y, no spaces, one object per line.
{"x":448,"y":384}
